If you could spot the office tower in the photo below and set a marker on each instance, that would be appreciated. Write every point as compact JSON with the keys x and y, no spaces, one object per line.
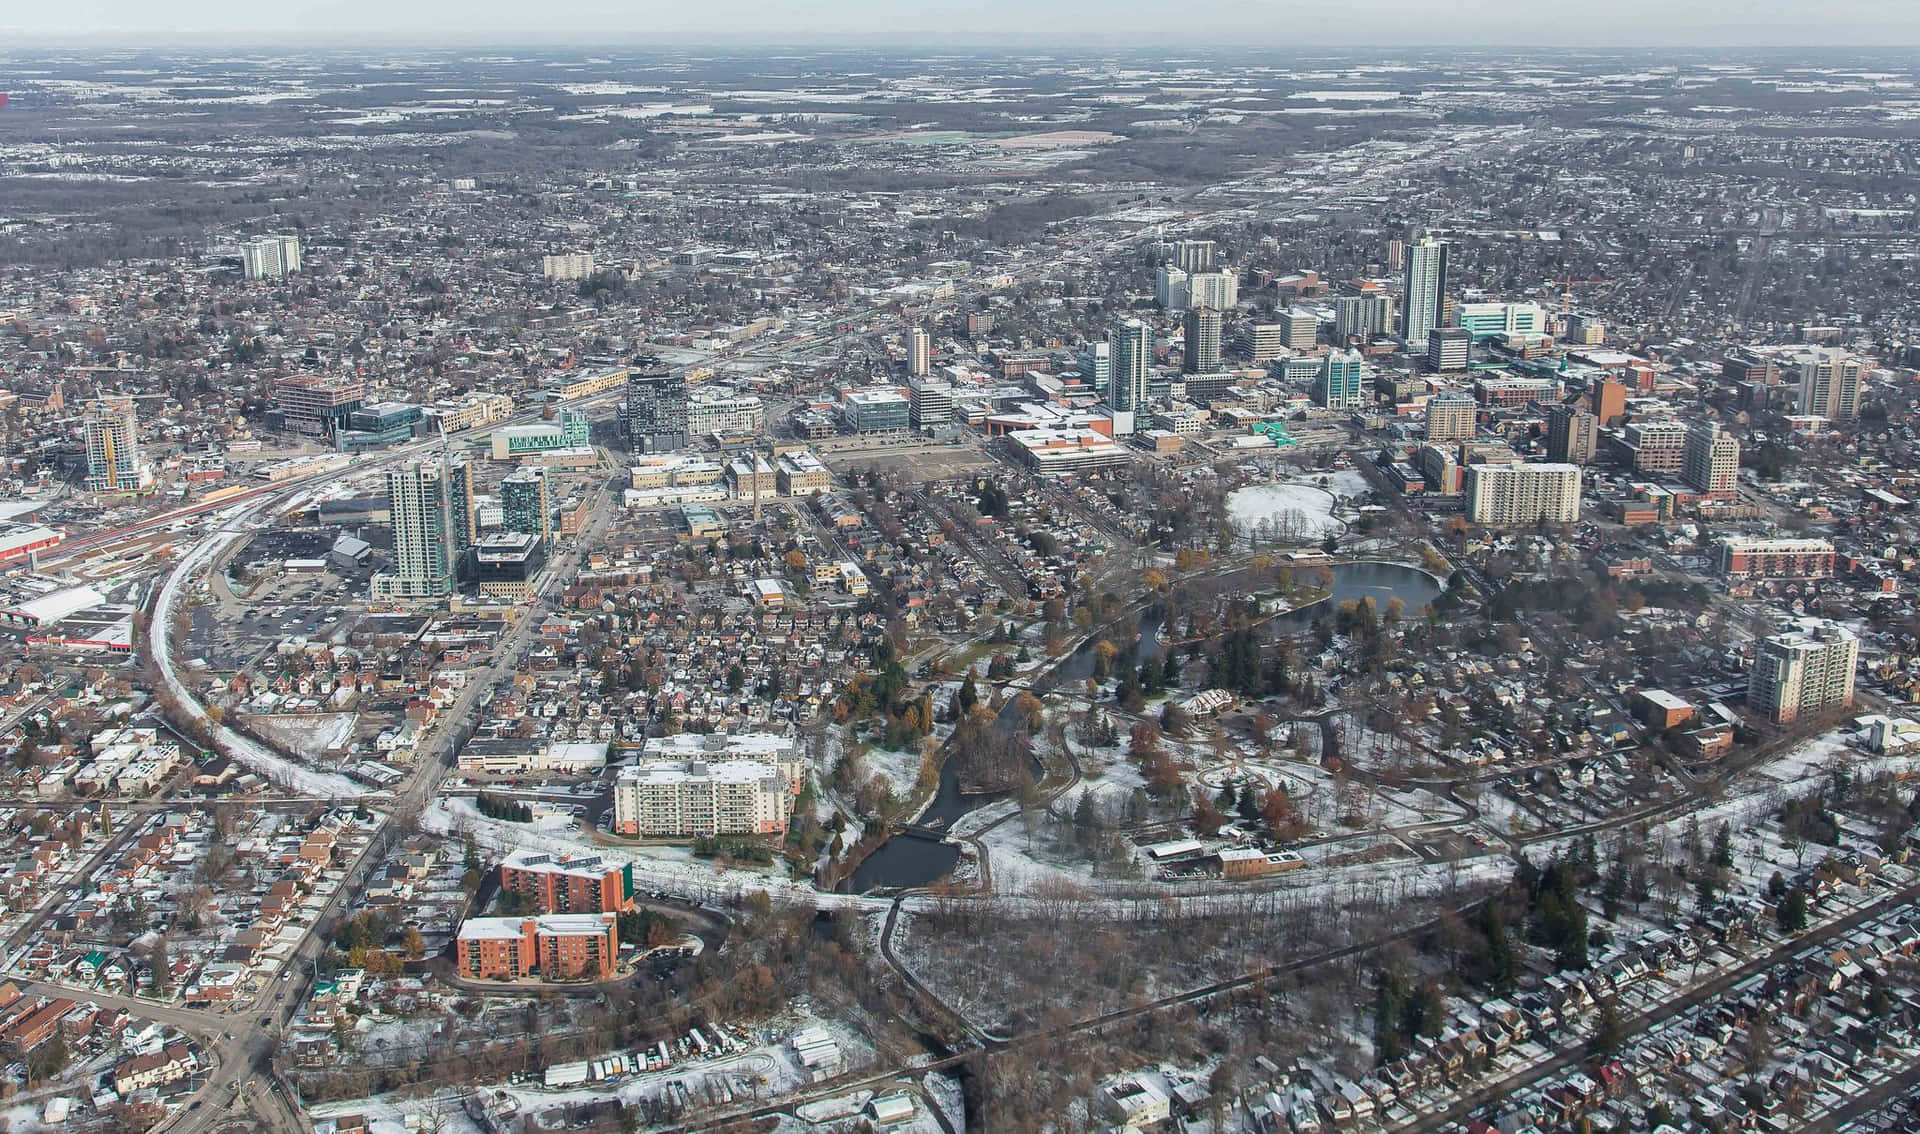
{"x":315,"y":405}
{"x":1300,"y":330}
{"x":1130,"y":346}
{"x":1193,"y":255}
{"x":1509,"y":495}
{"x":567,"y":266}
{"x":1096,"y":366}
{"x":1396,"y":254}
{"x":113,"y":447}
{"x":1202,"y":354}
{"x":1449,"y":348}
{"x":1424,"y":291}
{"x":1829,"y":384}
{"x":656,"y":408}
{"x":1803,"y":671}
{"x":1609,"y":401}
{"x":1342,"y":381}
{"x":932,"y":403}
{"x":1263,"y":341}
{"x":1452,"y":417}
{"x":421,"y":513}
{"x":1218,"y":290}
{"x":919,"y":352}
{"x":879,"y":409}
{"x":524,"y":506}
{"x":1743,"y":365}
{"x":1711,"y":461}
{"x":1170,"y":289}
{"x":270,"y":257}
{"x":1361,"y":317}
{"x":1487,"y":319}
{"x":1573,"y":435}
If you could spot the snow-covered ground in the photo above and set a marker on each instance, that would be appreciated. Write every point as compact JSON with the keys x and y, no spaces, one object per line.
{"x":311,"y":736}
{"x":243,"y":750}
{"x":669,"y":868}
{"x":1284,"y":511}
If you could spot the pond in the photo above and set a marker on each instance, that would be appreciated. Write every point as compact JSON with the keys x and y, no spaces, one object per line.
{"x":913,"y":858}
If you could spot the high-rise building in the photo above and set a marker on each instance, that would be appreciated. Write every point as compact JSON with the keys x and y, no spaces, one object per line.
{"x":682,"y":799}
{"x":1342,"y":383}
{"x":1193,"y":255}
{"x":1361,"y":317}
{"x":1170,"y":289}
{"x":656,"y":408}
{"x":270,"y":257}
{"x":1096,"y":366}
{"x":114,"y":464}
{"x":1609,"y":399}
{"x":1218,"y":290}
{"x":1744,"y":365}
{"x":1202,"y":355}
{"x":1263,"y":341}
{"x":421,"y":512}
{"x":1507,"y":495}
{"x":1130,"y":347}
{"x":1804,"y":671}
{"x":1711,"y":461}
{"x":1829,"y":384}
{"x":1449,"y":348}
{"x":567,"y":266}
{"x":1658,"y":448}
{"x":919,"y":352}
{"x":1396,"y":254}
{"x":1299,"y":330}
{"x":1572,"y":435}
{"x":932,"y":403}
{"x":460,"y":498}
{"x":316,"y":405}
{"x":524,"y":505}
{"x":1586,"y":329}
{"x":1424,"y":290}
{"x":1452,"y":416}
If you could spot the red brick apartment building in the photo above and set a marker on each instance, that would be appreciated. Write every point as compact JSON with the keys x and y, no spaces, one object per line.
{"x":559,"y":884}
{"x":579,"y":946}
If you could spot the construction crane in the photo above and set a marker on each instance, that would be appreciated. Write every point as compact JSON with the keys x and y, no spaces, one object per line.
{"x":1566,"y":293}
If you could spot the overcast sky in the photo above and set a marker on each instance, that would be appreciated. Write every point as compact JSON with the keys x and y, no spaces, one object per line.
{"x":921,"y":25}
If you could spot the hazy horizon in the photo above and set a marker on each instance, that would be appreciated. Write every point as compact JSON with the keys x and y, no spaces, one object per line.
{"x":937,"y":24}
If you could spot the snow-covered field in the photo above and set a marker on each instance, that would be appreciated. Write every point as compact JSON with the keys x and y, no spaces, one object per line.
{"x":1284,"y":511}
{"x":310,"y":736}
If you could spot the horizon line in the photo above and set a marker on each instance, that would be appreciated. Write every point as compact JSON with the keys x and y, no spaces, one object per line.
{"x":510,"y":42}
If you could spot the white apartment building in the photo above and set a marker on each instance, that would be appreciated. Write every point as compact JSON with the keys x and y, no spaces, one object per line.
{"x":1510,"y":495}
{"x":1804,"y":671}
{"x":683,"y":799}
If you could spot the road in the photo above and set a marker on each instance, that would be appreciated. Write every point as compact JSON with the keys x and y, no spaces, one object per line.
{"x":247,"y":1039}
{"x":1571,"y":1056}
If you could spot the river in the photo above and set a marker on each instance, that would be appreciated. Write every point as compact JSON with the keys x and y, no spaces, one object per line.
{"x":912,"y":859}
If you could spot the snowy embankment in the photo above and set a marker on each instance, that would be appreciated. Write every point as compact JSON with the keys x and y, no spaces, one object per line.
{"x":457,"y":817}
{"x":243,"y":750}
